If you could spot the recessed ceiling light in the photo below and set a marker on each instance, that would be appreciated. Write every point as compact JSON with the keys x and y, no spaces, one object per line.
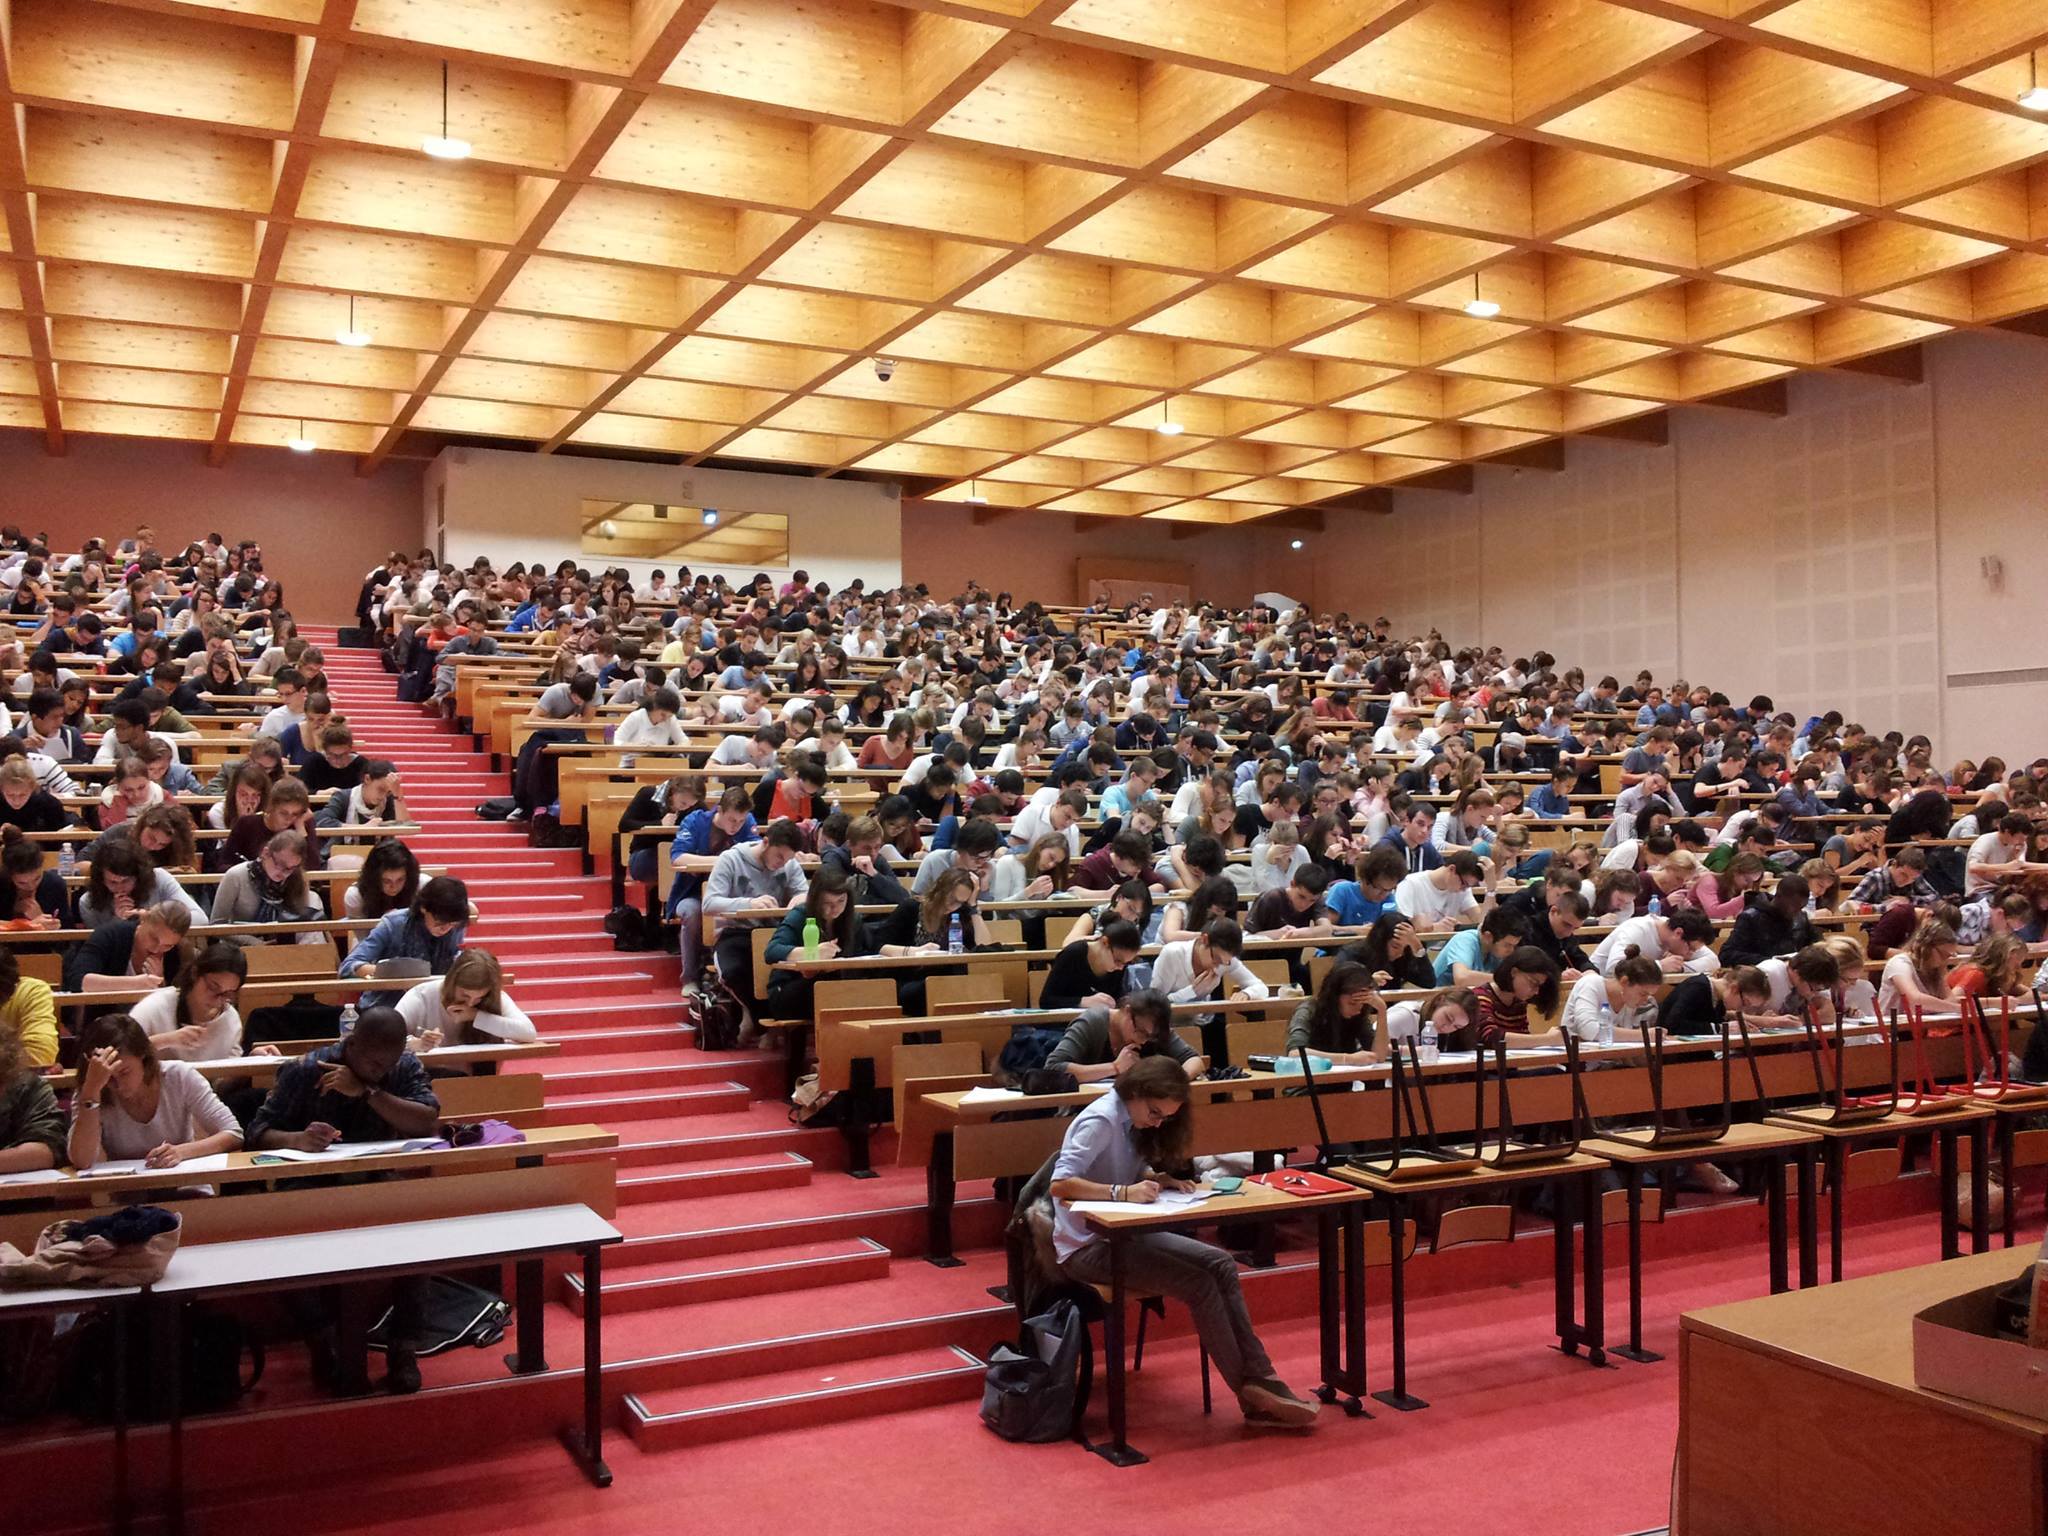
{"x":1295,"y":545}
{"x":2035,"y":97}
{"x":443,"y":145}
{"x":348,"y":335}
{"x":710,"y":516}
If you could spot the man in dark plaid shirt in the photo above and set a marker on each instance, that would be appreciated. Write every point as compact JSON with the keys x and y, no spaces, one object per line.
{"x":1902,"y":877}
{"x":367,"y":1088}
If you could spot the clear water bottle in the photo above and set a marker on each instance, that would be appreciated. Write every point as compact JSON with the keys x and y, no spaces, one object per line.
{"x":810,"y":938}
{"x":67,"y":860}
{"x":956,"y":941}
{"x":1606,"y":1034}
{"x":1425,"y":1044}
{"x":348,"y":1019}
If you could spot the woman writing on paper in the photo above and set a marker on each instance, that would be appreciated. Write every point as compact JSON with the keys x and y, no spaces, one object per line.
{"x":469,"y":1006}
{"x":130,"y":1105}
{"x":1118,"y":1149}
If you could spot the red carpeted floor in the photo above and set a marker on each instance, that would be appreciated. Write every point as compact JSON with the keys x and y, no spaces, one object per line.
{"x":778,"y":1357}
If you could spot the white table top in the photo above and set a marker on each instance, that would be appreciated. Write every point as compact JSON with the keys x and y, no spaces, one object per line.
{"x":62,"y":1297}
{"x":265,"y":1261}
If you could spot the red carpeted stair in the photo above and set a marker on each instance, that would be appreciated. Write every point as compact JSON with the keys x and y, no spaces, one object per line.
{"x":742,"y":1228}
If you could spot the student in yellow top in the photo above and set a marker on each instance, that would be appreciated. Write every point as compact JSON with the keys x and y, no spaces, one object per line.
{"x":28,"y":1009}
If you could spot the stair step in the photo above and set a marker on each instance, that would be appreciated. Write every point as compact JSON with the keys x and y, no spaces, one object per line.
{"x":599,"y":1043}
{"x":726,"y":1176}
{"x":651,"y":1075}
{"x":714,"y":1099}
{"x":672,"y":1417}
{"x":637,"y":1280}
{"x":821,"y":1148}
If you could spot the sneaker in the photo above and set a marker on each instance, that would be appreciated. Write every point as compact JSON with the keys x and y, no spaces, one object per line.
{"x":401,"y":1373}
{"x":518,"y":813}
{"x":1270,"y":1404}
{"x":1708,"y":1179}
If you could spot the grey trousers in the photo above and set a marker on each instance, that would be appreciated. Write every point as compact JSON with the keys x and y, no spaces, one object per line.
{"x":1199,"y":1274}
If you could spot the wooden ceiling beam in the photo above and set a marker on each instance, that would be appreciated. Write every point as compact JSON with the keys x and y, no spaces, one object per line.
{"x":18,"y":218}
{"x":319,"y":63}
{"x":657,"y":51}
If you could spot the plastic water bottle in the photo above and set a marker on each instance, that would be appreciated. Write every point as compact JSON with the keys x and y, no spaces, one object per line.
{"x":1606,"y":1035}
{"x":810,"y":938}
{"x":1656,"y":906}
{"x":1425,"y":1044}
{"x":956,"y":942}
{"x":67,"y":860}
{"x":348,"y":1019}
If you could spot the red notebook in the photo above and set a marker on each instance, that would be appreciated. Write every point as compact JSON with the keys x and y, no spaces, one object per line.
{"x":1300,"y":1181}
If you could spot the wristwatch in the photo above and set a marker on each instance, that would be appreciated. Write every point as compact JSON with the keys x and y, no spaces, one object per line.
{"x":87,"y":1104}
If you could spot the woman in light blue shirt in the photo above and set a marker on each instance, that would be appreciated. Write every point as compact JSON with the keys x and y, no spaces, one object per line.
{"x":1120,"y":1148}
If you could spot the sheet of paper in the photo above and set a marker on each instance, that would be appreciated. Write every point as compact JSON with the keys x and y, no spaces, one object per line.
{"x":35,"y":1176}
{"x":989,"y":1095}
{"x":213,"y":1164}
{"x":1169,"y":1200}
{"x":342,"y":1151}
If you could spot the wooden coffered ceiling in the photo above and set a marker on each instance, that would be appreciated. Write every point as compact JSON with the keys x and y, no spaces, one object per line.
{"x":689,"y":227}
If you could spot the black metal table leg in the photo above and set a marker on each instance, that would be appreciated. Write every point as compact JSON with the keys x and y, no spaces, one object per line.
{"x":122,"y":1516}
{"x":1809,"y":1217}
{"x":589,"y":1450}
{"x":529,"y":1306}
{"x":856,"y":1125}
{"x":1327,"y":1312}
{"x":1564,"y":1289}
{"x":1980,"y":1185}
{"x":1117,"y":1450}
{"x":1946,"y":1169}
{"x":1594,"y":1228}
{"x":2005,"y":1174}
{"x":1632,"y":1181}
{"x":170,"y":1324}
{"x":1397,"y":1301}
{"x":1774,"y":1213}
{"x":1838,"y":1175}
{"x":1354,"y":1308}
{"x":938,"y":1203}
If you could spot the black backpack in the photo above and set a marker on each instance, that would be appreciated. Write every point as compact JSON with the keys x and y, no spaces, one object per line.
{"x":211,"y":1373}
{"x":451,"y":1313}
{"x":1037,"y":1391}
{"x":719,"y":1014}
{"x":1025,"y":1052}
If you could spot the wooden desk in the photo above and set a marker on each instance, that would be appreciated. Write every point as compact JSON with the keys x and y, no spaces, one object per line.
{"x":1944,"y":1128}
{"x":1340,"y":1255}
{"x":1798,"y":1413}
{"x":522,"y":1238}
{"x":1768,"y":1144}
{"x":1577,"y":1194}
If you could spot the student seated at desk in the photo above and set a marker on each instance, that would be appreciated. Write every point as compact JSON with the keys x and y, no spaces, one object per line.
{"x":927,"y":925}
{"x":1106,"y":1040}
{"x":335,"y":765}
{"x":1677,"y":942}
{"x":287,"y":808}
{"x":32,"y":895}
{"x":1699,"y":1003}
{"x":1619,"y":1005}
{"x":751,"y":884}
{"x":132,"y":1105}
{"x":651,"y":818}
{"x":1093,"y":972}
{"x":388,"y":880}
{"x":145,"y":950}
{"x":194,"y":1018}
{"x":368,"y":1087}
{"x":1132,"y":903}
{"x":31,"y":1124}
{"x":28,"y":1013}
{"x":270,"y":888}
{"x":1193,"y":970}
{"x":1440,"y":899}
{"x":1524,"y":982}
{"x":829,"y":903}
{"x":123,"y":881}
{"x":24,"y":803}
{"x":1128,"y":1146}
{"x":377,"y":798}
{"x":468,"y":1006}
{"x":1339,"y":1021}
{"x":431,"y":929}
{"x":1449,"y":1011}
{"x":1294,"y":910}
{"x":1393,"y":953}
{"x":862,"y":856}
{"x":1468,"y":956}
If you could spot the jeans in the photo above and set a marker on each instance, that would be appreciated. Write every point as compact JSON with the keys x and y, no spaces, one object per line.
{"x":690,"y":913}
{"x":1199,"y":1274}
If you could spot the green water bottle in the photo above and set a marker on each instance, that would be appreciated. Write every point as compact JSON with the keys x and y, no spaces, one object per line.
{"x":810,"y":938}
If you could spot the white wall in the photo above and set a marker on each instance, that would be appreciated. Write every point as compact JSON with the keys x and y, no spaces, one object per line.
{"x":1828,"y":558}
{"x":527,"y":506}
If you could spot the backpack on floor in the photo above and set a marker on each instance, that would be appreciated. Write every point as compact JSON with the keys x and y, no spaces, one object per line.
{"x":630,"y":930}
{"x":719,"y":1014}
{"x":212,"y":1377}
{"x":1036,"y":1391}
{"x":451,"y":1314}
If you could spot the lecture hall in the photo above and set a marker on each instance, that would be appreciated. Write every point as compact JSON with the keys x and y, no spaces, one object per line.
{"x":626,"y":881}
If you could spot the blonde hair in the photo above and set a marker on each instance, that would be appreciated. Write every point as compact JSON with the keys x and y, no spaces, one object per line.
{"x":476,"y":970}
